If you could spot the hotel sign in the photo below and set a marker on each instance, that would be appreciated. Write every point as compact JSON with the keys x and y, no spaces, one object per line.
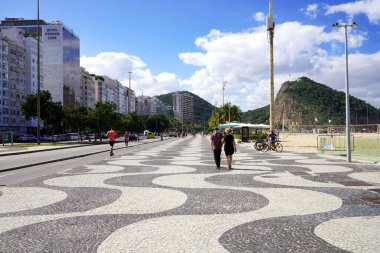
{"x":52,"y":32}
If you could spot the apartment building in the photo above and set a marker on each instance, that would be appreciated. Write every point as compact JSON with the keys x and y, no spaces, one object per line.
{"x":183,"y":106}
{"x":61,"y":52}
{"x":12,"y":85}
{"x":87,"y":96}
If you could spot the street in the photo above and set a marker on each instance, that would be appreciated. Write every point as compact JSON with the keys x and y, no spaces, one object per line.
{"x":169,"y":197}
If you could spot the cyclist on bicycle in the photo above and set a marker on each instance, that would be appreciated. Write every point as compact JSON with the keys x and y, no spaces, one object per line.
{"x":272,"y":137}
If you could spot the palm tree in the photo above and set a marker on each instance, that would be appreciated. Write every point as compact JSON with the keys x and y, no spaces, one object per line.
{"x":225,"y":113}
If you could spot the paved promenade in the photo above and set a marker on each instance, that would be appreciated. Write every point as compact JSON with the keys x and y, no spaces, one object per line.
{"x":171,"y":198}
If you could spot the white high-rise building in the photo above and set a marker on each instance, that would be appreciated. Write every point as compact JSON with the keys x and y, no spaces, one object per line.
{"x":183,"y":106}
{"x":12,"y":85}
{"x":61,"y":53}
{"x":29,"y":46}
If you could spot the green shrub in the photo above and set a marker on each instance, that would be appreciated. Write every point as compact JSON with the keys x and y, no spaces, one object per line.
{"x":258,"y":136}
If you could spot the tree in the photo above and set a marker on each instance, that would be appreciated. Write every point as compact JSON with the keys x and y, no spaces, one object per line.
{"x":224,"y":113}
{"x":77,"y":118}
{"x":133,"y":123}
{"x":157,"y":123}
{"x":50,"y":112}
{"x":104,"y":116}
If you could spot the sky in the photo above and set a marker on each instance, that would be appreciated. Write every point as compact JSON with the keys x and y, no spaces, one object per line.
{"x":193,"y":45}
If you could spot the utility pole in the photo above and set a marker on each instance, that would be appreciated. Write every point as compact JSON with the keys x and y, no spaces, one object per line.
{"x":229,"y":114}
{"x":224,"y":84}
{"x":130,"y":72}
{"x":38,"y":76}
{"x":129,"y":93}
{"x":270,"y":29}
{"x":348,"y":141}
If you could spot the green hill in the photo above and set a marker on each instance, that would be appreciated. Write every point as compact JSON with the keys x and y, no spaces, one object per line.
{"x":257,"y":116}
{"x":202,"y":108}
{"x":304,"y":101}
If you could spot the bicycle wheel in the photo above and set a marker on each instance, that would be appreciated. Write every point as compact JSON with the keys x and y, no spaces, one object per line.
{"x":278,"y":147}
{"x":258,"y":146}
{"x":266,"y":147}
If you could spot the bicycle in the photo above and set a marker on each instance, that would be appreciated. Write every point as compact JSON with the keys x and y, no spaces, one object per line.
{"x":277,"y":146}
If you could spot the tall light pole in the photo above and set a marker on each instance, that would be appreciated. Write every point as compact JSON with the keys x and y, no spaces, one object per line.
{"x":229,"y":114}
{"x":348,"y":141}
{"x":130,"y":72}
{"x":224,"y":84}
{"x":38,"y":76}
{"x":270,"y":29}
{"x":129,"y":93}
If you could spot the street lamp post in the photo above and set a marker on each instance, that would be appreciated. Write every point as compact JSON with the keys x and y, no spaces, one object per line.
{"x":348,"y":141}
{"x":229,"y":114}
{"x":38,"y":76}
{"x":224,"y":84}
{"x":129,"y":93}
{"x":270,"y":29}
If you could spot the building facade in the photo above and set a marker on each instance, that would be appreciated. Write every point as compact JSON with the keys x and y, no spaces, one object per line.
{"x":29,"y":44}
{"x":87,"y":95}
{"x":12,"y":85}
{"x":146,"y":106}
{"x":61,"y":53}
{"x":183,"y":106}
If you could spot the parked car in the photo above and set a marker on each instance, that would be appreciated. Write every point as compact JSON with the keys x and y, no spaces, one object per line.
{"x":73,"y":136}
{"x":133,"y":137}
{"x":56,"y":138}
{"x":150,"y":136}
{"x":26,"y":138}
{"x":46,"y":138}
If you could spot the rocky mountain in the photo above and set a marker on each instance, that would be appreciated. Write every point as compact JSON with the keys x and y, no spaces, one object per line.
{"x":306,"y":102}
{"x":202,"y":108}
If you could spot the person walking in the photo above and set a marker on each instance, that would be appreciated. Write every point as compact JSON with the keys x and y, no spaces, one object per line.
{"x":111,"y":135}
{"x":229,"y":146}
{"x":216,"y":146}
{"x":126,"y":139}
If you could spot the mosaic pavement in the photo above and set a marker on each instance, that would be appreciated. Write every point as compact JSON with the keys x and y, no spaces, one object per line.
{"x":171,"y":198}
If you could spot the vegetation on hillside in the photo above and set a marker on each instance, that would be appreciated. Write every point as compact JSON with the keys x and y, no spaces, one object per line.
{"x":307,"y":102}
{"x":202,"y":108}
{"x":257,"y":116}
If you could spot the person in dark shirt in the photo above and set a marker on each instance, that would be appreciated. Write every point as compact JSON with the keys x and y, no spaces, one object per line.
{"x":229,"y":146}
{"x":272,"y":137}
{"x":216,"y":146}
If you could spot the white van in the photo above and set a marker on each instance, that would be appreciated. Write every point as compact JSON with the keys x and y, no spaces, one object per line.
{"x":73,"y":136}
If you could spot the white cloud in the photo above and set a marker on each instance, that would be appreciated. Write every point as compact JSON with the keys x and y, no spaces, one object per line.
{"x":259,"y":16}
{"x":299,"y":50}
{"x":311,"y":10}
{"x":243,"y":60}
{"x":370,"y":8}
{"x":117,"y":64}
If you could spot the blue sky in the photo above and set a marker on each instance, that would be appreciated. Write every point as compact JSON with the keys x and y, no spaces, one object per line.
{"x":192,"y":44}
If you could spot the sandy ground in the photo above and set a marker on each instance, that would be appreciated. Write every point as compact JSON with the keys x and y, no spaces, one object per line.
{"x":304,"y":143}
{"x":307,"y":143}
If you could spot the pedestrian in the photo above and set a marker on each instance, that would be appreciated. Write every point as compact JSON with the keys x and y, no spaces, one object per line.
{"x":216,"y":146}
{"x":111,"y":135}
{"x":162,"y":136}
{"x":229,"y":146}
{"x":126,"y":139}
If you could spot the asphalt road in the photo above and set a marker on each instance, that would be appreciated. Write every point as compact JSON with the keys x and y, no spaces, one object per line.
{"x":19,"y":168}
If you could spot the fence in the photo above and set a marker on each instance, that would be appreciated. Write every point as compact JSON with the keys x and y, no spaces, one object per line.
{"x":363,"y":146}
